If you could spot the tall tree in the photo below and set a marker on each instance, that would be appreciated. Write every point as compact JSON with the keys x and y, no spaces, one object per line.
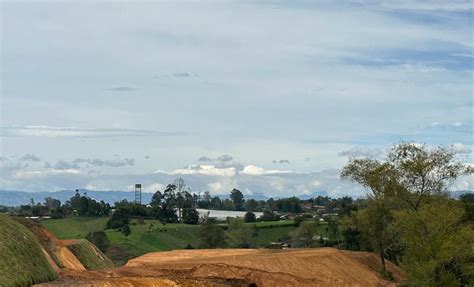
{"x":410,"y":178}
{"x":423,"y":171}
{"x":52,"y":203}
{"x":190,"y":216}
{"x":164,"y":204}
{"x":380,"y":181}
{"x":183,"y":196}
{"x":237,"y":199}
{"x":205,"y":200}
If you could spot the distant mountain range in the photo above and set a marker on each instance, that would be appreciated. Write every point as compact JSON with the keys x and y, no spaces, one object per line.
{"x":16,"y":198}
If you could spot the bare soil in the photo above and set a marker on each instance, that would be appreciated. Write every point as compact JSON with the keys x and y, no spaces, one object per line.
{"x":241,"y":267}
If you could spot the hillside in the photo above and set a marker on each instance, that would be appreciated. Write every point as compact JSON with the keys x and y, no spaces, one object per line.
{"x":22,"y":260}
{"x":89,"y":255}
{"x":57,"y":251}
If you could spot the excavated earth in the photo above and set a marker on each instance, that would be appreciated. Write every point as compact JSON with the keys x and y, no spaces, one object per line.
{"x":240,"y":267}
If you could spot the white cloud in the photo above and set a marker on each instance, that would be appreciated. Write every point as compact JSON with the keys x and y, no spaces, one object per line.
{"x":255,"y":170}
{"x":204,"y":170}
{"x":277,"y":184}
{"x":464,"y":183}
{"x":101,"y":162}
{"x":422,"y":5}
{"x":45,"y":173}
{"x":363,"y":151}
{"x":222,"y":158}
{"x":152,"y":188}
{"x":216,"y":188}
{"x":460,"y":148}
{"x":315,"y":183}
{"x":30,"y":157}
{"x":54,"y":131}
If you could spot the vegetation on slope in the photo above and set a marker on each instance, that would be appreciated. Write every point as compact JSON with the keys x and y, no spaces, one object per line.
{"x":22,"y":262}
{"x":89,"y":255}
{"x":159,"y":237}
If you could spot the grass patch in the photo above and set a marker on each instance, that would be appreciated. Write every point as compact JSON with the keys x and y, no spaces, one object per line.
{"x":89,"y":255}
{"x":74,"y":227}
{"x":272,"y":234}
{"x":22,"y":262}
{"x":161,"y":238}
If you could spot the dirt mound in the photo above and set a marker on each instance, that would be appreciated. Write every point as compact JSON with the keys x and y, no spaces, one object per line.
{"x":55,"y":248}
{"x":297,"y":267}
{"x":242,"y":267}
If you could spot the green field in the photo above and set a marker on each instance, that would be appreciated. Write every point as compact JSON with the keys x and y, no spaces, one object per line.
{"x":176,"y":236}
{"x":161,"y":237}
{"x":74,"y":227}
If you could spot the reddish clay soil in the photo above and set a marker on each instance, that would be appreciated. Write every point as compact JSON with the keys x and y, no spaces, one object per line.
{"x":57,"y":253}
{"x":241,"y":267}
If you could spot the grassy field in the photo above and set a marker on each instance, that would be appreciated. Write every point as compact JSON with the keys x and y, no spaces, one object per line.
{"x":74,"y":227}
{"x":22,"y":263}
{"x":161,"y":237}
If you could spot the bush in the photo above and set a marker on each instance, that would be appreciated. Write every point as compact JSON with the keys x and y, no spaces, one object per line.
{"x":239,"y":234}
{"x":126,"y":230}
{"x":212,"y":236}
{"x":119,"y":218}
{"x":114,"y":224}
{"x":190,"y":216}
{"x":99,"y":239}
{"x":303,"y":236}
{"x":269,"y":216}
{"x":250,"y":217}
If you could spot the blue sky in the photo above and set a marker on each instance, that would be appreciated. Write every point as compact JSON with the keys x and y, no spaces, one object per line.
{"x":102,"y":94}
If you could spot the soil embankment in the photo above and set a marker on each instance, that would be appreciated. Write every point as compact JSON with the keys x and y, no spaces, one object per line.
{"x":55,"y":248}
{"x":241,"y":267}
{"x":88,"y":254}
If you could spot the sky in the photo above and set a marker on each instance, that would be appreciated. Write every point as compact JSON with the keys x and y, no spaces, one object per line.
{"x":271,"y":97}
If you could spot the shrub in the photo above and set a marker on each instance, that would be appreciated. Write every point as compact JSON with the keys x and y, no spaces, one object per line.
{"x":99,"y":239}
{"x":212,"y":236}
{"x":250,"y":217}
{"x":126,"y":230}
{"x":190,"y":216}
